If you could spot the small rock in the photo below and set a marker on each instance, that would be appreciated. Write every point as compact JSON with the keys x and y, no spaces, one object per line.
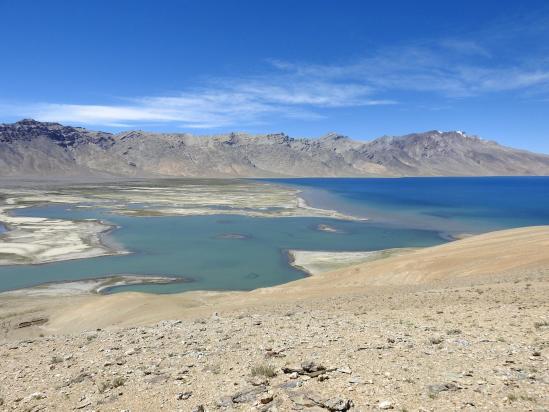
{"x":225,"y":402}
{"x":303,"y":401}
{"x":291,"y":384}
{"x":248,"y":395}
{"x":385,"y":405}
{"x":437,"y":388}
{"x":258,"y":381}
{"x":338,"y":404}
{"x":310,"y":366}
{"x":293,"y":375}
{"x":184,"y":396}
{"x":36,"y":396}
{"x":265,"y":399}
{"x":83,"y":404}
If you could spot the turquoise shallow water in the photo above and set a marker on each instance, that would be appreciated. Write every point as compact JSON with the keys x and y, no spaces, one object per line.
{"x":204,"y":249}
{"x":228,"y":252}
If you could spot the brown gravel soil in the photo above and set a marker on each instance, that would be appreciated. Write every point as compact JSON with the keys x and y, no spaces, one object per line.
{"x":466,"y":326}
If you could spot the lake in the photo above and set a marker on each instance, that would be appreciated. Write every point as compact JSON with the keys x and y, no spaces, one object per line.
{"x":232,"y":252}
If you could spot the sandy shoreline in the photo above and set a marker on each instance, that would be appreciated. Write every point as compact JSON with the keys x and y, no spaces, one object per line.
{"x":90,"y":286}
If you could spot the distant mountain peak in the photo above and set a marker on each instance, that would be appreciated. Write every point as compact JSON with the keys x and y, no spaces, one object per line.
{"x":460,"y":132}
{"x":37,"y":123}
{"x":30,"y":147}
{"x":131,"y":134}
{"x":28,"y":122}
{"x":279,"y":135}
{"x":333,"y":136}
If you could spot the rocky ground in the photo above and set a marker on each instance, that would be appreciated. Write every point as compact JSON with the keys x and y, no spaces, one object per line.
{"x":470,"y":345}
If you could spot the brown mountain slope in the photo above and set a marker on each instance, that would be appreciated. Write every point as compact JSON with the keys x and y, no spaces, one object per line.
{"x":30,"y":148}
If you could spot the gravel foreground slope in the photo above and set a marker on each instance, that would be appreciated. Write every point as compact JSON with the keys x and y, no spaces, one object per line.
{"x":472,"y":343}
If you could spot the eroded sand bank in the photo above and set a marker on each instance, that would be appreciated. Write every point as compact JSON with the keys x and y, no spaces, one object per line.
{"x":90,"y":286}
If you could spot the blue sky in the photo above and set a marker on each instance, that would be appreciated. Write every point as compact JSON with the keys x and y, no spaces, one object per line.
{"x":360,"y":68}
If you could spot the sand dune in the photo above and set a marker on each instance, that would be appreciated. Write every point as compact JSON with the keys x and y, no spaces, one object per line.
{"x":486,"y":254}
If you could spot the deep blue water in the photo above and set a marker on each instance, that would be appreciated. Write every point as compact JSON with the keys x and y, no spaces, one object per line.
{"x":455,"y":204}
{"x":409,"y":212}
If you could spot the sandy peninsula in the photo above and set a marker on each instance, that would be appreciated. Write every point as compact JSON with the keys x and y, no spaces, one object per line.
{"x":459,"y":326}
{"x":316,"y":262}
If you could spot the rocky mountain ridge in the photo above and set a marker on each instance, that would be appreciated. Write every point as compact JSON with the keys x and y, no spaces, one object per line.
{"x":32,"y":148}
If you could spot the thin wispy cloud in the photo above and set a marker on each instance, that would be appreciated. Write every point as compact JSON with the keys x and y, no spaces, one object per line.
{"x":223,"y":102}
{"x":447,"y":68}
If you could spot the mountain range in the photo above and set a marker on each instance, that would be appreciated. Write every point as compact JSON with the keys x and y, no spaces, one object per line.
{"x":30,"y":148}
